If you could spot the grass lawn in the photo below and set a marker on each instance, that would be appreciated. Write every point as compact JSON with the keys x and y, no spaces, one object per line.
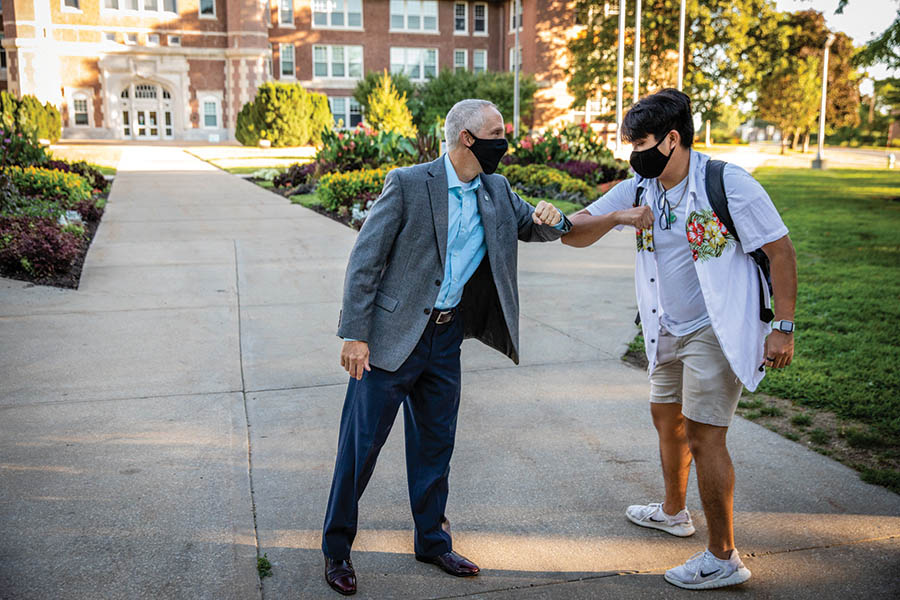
{"x":306,"y":200}
{"x":845,"y":225}
{"x":248,"y":170}
{"x":106,"y":170}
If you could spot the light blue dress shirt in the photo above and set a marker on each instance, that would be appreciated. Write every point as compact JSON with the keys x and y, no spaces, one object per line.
{"x":465,"y":237}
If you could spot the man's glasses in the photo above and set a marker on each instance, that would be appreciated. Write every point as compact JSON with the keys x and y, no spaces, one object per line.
{"x":665,"y":212}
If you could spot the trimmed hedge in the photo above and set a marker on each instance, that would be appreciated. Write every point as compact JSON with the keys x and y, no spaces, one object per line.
{"x":29,"y":117}
{"x":285,"y":114}
{"x":546,"y":182}
{"x":68,"y":189}
{"x":339,"y":191}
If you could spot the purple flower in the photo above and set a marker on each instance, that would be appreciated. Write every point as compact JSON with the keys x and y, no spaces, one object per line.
{"x":6,"y":141}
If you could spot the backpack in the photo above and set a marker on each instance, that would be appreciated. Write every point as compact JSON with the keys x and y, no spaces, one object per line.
{"x":715,"y":191}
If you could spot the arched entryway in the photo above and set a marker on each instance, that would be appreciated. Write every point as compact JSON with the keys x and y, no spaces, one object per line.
{"x":147,"y":111}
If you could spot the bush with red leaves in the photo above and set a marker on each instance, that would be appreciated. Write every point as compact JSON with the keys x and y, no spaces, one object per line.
{"x":36,"y":246}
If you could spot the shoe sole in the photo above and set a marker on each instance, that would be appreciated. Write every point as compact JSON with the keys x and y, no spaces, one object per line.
{"x":431,"y":562}
{"x":679,"y":532}
{"x":739,"y":576}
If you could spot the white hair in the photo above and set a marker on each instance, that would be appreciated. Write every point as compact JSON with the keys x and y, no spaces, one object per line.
{"x":465,"y":114}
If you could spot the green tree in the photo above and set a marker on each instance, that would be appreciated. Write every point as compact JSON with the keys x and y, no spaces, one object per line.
{"x":401,"y":82}
{"x":388,"y":110}
{"x":728,"y":45}
{"x":440,"y":93}
{"x":789,"y":97}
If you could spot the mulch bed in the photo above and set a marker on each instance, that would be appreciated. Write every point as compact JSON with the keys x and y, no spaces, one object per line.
{"x":71,"y":277}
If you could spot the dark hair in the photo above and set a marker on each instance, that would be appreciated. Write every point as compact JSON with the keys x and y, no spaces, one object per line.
{"x":658,"y":114}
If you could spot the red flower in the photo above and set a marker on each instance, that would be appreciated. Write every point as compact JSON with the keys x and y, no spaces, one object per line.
{"x":695,"y":233}
{"x":584,"y":126}
{"x":526,"y":143}
{"x":340,"y":135}
{"x":509,"y":128}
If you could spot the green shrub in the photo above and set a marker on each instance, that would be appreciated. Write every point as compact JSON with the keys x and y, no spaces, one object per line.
{"x":819,"y":436}
{"x":438,"y":95}
{"x":388,"y":110}
{"x":66,"y":189}
{"x":547,"y":182}
{"x":350,"y":189}
{"x":801,"y":420}
{"x":364,"y":148}
{"x":29,"y":117}
{"x":401,"y":83}
{"x":285,"y":114}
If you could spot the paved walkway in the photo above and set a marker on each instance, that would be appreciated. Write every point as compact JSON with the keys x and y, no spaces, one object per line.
{"x":180,"y":410}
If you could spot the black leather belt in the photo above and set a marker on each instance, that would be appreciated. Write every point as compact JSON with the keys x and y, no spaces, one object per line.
{"x":442,"y":317}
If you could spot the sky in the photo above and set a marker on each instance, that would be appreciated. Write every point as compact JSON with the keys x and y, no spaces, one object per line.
{"x":862,"y":20}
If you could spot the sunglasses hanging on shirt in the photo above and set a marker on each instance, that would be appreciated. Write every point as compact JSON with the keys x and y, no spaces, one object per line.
{"x":666,"y":211}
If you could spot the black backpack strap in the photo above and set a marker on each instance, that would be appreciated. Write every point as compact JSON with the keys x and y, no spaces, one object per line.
{"x":715,"y":191}
{"x":718,"y":199}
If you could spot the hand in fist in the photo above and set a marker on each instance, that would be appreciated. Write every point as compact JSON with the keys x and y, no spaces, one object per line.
{"x":640,"y":217}
{"x":546,"y":214}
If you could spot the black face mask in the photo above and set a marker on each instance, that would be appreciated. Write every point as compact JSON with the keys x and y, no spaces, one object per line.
{"x":650,"y":163}
{"x":488,"y":152}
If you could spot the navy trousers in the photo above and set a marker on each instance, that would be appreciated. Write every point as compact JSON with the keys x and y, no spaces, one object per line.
{"x":427,"y":385}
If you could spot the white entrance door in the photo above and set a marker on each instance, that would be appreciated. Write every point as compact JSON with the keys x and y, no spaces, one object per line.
{"x":146,"y":112}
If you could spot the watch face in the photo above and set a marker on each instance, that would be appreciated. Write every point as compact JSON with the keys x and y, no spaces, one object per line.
{"x":786,"y":326}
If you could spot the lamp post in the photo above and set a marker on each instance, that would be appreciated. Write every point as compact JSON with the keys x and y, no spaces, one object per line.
{"x":681,"y":49}
{"x":620,"y":75}
{"x":637,"y":50}
{"x":516,"y":67}
{"x":819,"y":161}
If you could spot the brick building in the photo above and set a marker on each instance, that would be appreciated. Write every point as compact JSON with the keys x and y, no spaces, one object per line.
{"x":182,"y":69}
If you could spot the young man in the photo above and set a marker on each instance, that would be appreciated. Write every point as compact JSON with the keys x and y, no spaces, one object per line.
{"x":699,"y":297}
{"x":435,"y":262}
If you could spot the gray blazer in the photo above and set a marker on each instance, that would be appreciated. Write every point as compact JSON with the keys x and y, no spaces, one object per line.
{"x":397,"y":265}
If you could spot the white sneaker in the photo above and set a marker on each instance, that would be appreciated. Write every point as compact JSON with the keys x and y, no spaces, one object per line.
{"x":652,"y":515}
{"x":703,"y":571}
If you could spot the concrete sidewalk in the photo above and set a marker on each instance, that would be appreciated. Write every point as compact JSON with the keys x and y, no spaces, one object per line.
{"x":178,"y":414}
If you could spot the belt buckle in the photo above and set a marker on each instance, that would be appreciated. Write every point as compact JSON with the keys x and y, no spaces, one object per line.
{"x":445,"y":316}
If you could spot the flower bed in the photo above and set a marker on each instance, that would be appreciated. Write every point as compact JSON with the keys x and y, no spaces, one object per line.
{"x":546,"y":182}
{"x":49,"y":212}
{"x":351,"y":194}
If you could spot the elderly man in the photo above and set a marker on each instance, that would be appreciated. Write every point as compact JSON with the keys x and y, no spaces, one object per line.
{"x":434,"y":263}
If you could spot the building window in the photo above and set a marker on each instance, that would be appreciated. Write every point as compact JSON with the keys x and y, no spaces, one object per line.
{"x":80,"y":111}
{"x":174,"y":40}
{"x":269,"y":68}
{"x":479,"y":61}
{"x":131,"y":39}
{"x":337,"y":13}
{"x":207,"y":9}
{"x":414,"y":15}
{"x":418,"y":64}
{"x":151,"y":5}
{"x":210,"y":113}
{"x":460,"y":60}
{"x":460,"y":18}
{"x":286,"y":54}
{"x":347,"y":112}
{"x":338,"y":61}
{"x":130,"y":4}
{"x":2,"y":53}
{"x":286,"y":12}
{"x":145,"y":91}
{"x":109,"y":37}
{"x":512,"y":17}
{"x":170,"y":6}
{"x":479,"y":27}
{"x":153,"y":39}
{"x":111,"y":4}
{"x":512,"y":58}
{"x":71,"y":5}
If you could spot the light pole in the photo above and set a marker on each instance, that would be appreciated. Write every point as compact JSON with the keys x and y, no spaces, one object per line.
{"x":681,"y":49}
{"x":516,"y":67}
{"x":637,"y":49}
{"x":819,"y":161}
{"x":620,"y":75}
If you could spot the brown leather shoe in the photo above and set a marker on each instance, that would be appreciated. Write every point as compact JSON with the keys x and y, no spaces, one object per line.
{"x":340,"y":576}
{"x":452,"y":563}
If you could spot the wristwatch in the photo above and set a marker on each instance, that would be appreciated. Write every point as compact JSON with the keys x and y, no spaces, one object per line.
{"x":783,"y":326}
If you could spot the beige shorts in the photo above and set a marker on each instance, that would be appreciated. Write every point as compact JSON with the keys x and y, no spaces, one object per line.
{"x":692,"y":370}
